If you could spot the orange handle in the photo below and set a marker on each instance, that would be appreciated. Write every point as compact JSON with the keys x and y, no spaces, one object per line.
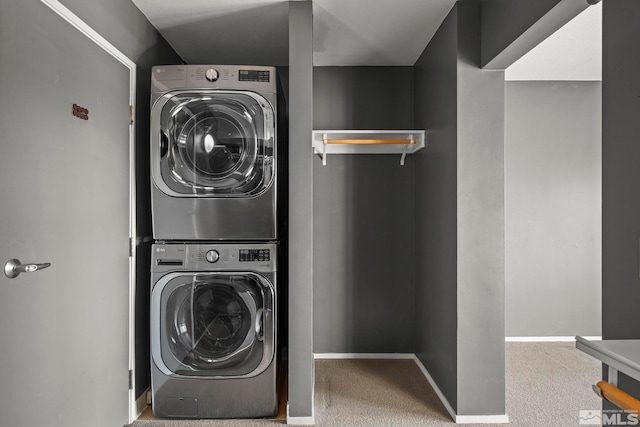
{"x":618,"y":397}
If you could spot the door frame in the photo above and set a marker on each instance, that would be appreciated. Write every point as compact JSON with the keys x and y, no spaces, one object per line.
{"x":93,"y":35}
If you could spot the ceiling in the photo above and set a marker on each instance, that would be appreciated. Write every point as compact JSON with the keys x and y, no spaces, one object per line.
{"x":365,"y":32}
{"x":356,"y":33}
{"x":346,"y":32}
{"x":574,"y":52}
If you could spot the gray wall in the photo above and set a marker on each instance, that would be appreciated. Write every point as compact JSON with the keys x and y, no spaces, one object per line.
{"x":435,"y":80}
{"x":481,"y":384}
{"x":124,"y":26}
{"x":301,"y":373}
{"x":460,"y":241}
{"x":621,"y":174}
{"x":620,"y":171}
{"x":363,"y":217}
{"x":553,"y":199}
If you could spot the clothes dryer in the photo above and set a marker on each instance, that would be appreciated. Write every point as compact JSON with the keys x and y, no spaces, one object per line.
{"x":213,"y":330}
{"x":214,"y":154}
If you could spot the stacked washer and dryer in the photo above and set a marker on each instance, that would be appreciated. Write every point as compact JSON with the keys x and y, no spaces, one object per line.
{"x":215,"y":210}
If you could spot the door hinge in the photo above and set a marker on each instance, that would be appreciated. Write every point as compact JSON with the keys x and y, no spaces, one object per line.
{"x":130,"y":379}
{"x":130,"y":114}
{"x":131,"y":246}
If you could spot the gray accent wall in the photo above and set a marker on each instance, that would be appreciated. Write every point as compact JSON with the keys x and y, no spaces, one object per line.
{"x":460,"y":243}
{"x":363,"y":217}
{"x":435,"y":80}
{"x":301,"y":371}
{"x":553,"y":193}
{"x":621,"y":175}
{"x":620,"y":171}
{"x":124,"y":26}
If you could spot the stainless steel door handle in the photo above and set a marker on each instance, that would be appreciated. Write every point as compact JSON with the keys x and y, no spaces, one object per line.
{"x":260,"y":324}
{"x":14,"y":267}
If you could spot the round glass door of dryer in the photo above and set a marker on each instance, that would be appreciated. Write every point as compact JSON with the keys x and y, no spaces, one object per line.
{"x":215,"y":324}
{"x":218,"y":143}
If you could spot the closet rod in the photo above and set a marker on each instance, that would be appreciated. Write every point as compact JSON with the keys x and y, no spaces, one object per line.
{"x":370,"y":141}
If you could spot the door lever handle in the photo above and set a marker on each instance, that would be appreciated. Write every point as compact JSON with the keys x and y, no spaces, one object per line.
{"x":14,"y":267}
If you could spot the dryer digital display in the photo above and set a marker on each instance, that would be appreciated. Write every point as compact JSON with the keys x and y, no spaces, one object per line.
{"x":253,"y":76}
{"x":254,"y":255}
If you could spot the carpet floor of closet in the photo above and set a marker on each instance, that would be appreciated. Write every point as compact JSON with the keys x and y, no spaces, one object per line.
{"x":546,"y":384}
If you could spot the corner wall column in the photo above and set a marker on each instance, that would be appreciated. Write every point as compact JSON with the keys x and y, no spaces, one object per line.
{"x":301,"y":365}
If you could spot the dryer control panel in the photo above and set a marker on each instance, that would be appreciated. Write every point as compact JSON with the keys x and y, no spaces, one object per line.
{"x":231,"y":77}
{"x":259,"y":257}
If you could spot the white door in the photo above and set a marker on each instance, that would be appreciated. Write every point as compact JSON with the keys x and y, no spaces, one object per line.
{"x":64,"y":200}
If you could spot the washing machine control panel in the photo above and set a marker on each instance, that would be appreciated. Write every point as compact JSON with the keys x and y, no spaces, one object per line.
{"x":214,"y":257}
{"x":254,"y":78}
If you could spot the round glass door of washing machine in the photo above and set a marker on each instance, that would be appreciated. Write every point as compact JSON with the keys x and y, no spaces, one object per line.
{"x":218,"y":324}
{"x":216,"y":143}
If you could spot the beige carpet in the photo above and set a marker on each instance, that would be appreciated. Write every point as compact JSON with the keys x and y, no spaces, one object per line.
{"x":375,"y":393}
{"x":547,"y":384}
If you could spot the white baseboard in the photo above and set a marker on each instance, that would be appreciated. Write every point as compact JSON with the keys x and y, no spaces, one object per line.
{"x":482,"y":419}
{"x":459,"y":419}
{"x":382,"y":356}
{"x":549,"y":339}
{"x":435,"y":387}
{"x":301,"y":421}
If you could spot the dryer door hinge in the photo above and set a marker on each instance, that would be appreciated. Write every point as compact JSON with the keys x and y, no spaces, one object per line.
{"x":130,"y":379}
{"x":131,"y":114}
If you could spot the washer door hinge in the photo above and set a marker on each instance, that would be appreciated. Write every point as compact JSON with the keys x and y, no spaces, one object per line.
{"x":130,"y":379}
{"x":130,"y":114}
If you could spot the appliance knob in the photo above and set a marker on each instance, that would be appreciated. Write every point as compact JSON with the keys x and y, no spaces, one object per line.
{"x":212,"y":74}
{"x":212,"y":256}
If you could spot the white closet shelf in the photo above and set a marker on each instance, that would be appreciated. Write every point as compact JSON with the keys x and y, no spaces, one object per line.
{"x":400,"y":142}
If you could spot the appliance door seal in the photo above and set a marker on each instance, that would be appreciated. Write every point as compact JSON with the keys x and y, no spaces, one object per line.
{"x":213,"y":325}
{"x":212,"y":143}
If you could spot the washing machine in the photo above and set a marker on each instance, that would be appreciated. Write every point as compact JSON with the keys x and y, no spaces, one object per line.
{"x":213,"y":330}
{"x":214,"y":153}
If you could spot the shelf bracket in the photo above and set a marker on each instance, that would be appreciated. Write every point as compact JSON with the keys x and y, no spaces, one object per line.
{"x":324,"y":149}
{"x":404,"y":152}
